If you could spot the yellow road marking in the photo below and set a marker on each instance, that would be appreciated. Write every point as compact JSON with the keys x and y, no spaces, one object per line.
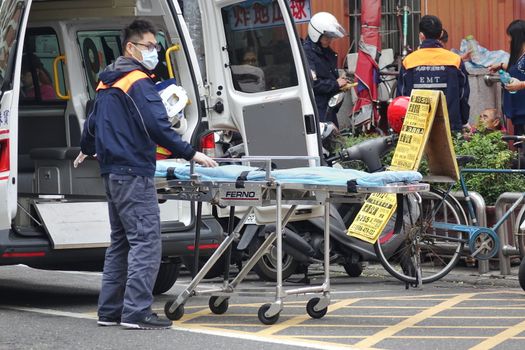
{"x":500,"y":337}
{"x":411,"y":321}
{"x":300,"y":319}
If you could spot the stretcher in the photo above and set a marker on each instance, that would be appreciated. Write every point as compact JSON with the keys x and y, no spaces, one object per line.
{"x":241,"y":185}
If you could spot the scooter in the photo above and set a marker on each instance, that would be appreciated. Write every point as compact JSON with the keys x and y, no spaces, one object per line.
{"x":303,"y":241}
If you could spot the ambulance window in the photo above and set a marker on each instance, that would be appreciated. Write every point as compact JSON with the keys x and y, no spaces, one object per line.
{"x":98,"y":49}
{"x":258,"y":46}
{"x":101,"y":48}
{"x":38,"y":75}
{"x":10,"y":15}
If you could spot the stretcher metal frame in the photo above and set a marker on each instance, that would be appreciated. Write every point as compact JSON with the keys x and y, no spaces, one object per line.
{"x":269,"y":192}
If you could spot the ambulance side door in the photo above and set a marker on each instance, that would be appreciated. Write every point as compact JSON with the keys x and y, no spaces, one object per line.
{"x":13,"y":21}
{"x":256,"y":77}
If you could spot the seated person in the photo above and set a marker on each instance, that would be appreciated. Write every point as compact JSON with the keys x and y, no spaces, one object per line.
{"x":490,"y":120}
{"x":33,"y":69}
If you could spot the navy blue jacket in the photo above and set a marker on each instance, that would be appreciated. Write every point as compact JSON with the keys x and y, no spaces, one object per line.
{"x":323,"y":67}
{"x":514,"y":104}
{"x":128,"y":122}
{"x":434,"y":68}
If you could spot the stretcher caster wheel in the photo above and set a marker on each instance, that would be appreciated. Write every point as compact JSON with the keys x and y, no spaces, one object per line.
{"x":219,"y":310}
{"x":312,"y":312}
{"x":175,"y":315}
{"x":263,"y":318}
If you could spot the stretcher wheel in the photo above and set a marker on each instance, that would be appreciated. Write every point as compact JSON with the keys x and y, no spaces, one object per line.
{"x":312,"y":312}
{"x":262,"y":316}
{"x":175,"y":315}
{"x":219,"y":310}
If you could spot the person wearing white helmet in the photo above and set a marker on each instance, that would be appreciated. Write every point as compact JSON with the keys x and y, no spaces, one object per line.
{"x":322,"y":61}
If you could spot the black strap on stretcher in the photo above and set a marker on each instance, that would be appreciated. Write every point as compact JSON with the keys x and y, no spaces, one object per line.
{"x":351,"y":186}
{"x":239,"y":183}
{"x":170,"y":174}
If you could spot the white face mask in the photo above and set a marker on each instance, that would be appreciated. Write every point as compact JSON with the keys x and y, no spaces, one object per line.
{"x":150,"y":59}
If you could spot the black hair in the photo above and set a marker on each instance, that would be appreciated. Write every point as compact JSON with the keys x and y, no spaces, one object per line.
{"x":430,"y":26}
{"x":516,"y":31}
{"x":136,"y":30}
{"x":444,"y":37}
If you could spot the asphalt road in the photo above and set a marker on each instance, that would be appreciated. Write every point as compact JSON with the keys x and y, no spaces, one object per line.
{"x":57,"y":310}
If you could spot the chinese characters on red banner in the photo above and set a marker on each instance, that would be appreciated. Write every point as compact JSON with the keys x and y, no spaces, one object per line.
{"x":267,"y":14}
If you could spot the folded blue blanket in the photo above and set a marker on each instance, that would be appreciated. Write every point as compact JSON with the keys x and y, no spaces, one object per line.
{"x":306,"y":175}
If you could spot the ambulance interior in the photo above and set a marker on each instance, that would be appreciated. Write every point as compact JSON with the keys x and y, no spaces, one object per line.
{"x":66,"y":45}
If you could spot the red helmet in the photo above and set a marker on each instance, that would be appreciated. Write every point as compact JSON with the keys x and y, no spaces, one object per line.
{"x":396,"y":112}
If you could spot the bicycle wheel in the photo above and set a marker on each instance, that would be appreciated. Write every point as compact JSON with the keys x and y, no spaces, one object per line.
{"x":423,"y":253}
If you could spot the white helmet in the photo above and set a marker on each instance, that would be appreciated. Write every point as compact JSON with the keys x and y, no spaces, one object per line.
{"x":175,"y":100}
{"x":324,"y":23}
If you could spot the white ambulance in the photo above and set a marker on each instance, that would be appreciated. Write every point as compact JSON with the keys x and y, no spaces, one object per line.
{"x":53,"y":216}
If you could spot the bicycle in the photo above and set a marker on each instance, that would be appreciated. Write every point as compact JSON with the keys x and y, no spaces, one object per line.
{"x":436,"y":241}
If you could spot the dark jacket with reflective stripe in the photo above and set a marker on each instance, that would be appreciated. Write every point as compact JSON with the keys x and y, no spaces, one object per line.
{"x":128,"y":121}
{"x":323,"y":67}
{"x":432,"y":67}
{"x":514,"y":104}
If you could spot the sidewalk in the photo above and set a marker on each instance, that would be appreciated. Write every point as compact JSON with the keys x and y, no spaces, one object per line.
{"x":459,"y":275}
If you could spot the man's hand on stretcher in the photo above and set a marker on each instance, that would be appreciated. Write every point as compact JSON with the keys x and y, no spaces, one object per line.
{"x":204,"y":160}
{"x":199,"y":158}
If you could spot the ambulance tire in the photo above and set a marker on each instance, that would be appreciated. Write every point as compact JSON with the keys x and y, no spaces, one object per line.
{"x":216,"y":270}
{"x":166,"y":278}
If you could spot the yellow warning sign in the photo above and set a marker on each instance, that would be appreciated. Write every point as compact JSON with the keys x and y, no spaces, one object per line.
{"x":426,"y":129}
{"x":373,"y":217}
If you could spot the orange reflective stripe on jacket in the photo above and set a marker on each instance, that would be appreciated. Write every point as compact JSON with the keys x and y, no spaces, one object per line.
{"x":431,"y":57}
{"x":163,"y":151}
{"x":125,"y":82}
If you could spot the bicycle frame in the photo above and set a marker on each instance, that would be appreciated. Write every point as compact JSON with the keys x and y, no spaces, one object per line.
{"x":470,"y":207}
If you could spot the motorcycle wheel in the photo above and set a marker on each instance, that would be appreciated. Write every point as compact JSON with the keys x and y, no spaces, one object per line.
{"x":266,"y":267}
{"x":353,"y":269}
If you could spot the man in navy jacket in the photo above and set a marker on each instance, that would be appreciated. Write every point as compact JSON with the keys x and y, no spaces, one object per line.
{"x":127,"y":122}
{"x":435,"y":68}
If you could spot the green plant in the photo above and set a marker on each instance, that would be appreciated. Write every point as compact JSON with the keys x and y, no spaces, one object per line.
{"x":490,"y":152}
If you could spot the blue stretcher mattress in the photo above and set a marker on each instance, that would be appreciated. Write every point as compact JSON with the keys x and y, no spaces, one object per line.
{"x":305,"y":175}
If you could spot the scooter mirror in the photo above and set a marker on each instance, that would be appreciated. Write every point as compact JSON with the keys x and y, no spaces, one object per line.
{"x":336,"y":100}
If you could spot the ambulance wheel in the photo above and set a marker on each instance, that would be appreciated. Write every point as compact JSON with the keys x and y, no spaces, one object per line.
{"x":521,"y":274}
{"x":263,"y":318}
{"x":216,"y":270}
{"x":166,"y":278}
{"x":175,"y":315}
{"x":218,"y":310}
{"x":315,"y":313}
